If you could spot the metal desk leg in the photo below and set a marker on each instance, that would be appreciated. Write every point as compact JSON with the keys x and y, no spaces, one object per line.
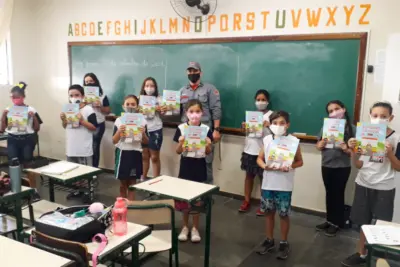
{"x":369,"y":256}
{"x":51,"y":190}
{"x":208,"y":231}
{"x":18,"y":218}
{"x":135,"y":255}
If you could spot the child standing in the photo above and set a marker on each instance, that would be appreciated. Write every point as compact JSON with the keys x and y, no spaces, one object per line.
{"x":194,"y":169}
{"x":251,"y":150}
{"x":277,"y":187}
{"x":21,"y":144}
{"x":101,"y":109}
{"x":154,"y":126}
{"x":79,"y":141}
{"x":375,"y":187}
{"x":336,"y":168}
{"x":128,"y":156}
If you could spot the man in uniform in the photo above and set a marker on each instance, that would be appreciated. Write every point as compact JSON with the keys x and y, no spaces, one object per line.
{"x":210,"y":99}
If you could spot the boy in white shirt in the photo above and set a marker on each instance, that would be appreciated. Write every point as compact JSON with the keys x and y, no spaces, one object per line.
{"x":375,"y":186}
{"x":277,"y":187}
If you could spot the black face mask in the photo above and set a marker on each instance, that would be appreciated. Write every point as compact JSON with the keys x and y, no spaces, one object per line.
{"x":194,"y":77}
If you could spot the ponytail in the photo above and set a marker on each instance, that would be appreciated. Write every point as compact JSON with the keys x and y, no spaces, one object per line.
{"x":19,"y":89}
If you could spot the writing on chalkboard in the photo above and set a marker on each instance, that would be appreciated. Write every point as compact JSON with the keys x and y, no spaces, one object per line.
{"x":127,"y":62}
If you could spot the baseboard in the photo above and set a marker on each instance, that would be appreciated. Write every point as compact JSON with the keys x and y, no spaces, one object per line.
{"x":231,"y":195}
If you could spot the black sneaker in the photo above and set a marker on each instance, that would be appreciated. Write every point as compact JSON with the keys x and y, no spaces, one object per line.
{"x":284,"y":249}
{"x":266,"y":247}
{"x":322,"y":227}
{"x":331,"y":231}
{"x":354,"y":260}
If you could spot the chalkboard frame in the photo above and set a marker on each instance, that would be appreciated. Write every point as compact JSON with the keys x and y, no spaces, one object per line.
{"x":362,"y":36}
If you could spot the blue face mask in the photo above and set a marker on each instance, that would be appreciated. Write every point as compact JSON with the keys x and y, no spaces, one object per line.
{"x":130,"y":110}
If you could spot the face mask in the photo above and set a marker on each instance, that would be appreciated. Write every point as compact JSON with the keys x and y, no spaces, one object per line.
{"x":277,"y":130}
{"x":379,"y":121}
{"x":194,"y":77}
{"x":337,"y":114}
{"x":18,"y":101}
{"x":149,"y":90}
{"x":130,"y":110}
{"x":74,"y":100}
{"x":194,"y":117}
{"x":261,"y":105}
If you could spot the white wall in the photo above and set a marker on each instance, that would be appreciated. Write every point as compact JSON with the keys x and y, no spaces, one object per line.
{"x":39,"y":36}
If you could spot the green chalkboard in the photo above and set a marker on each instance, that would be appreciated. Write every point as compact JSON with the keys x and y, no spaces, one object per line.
{"x":301,"y":76}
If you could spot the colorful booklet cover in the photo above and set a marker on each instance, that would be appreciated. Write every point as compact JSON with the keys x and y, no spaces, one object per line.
{"x":195,"y":141}
{"x":371,"y":141}
{"x":172,"y":100}
{"x":148,"y":106}
{"x":17,"y":119}
{"x":282,"y":151}
{"x":333,"y":132}
{"x":132,"y":121}
{"x":92,"y":94}
{"x":71,"y":112}
{"x":254,"y":124}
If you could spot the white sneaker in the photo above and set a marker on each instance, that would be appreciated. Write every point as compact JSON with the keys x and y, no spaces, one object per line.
{"x":183,"y":236}
{"x":195,"y":236}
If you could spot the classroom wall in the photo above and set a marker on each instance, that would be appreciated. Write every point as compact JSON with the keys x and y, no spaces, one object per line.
{"x":40,"y":31}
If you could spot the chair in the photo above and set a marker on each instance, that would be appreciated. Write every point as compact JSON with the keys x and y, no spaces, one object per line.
{"x":156,"y":212}
{"x":71,"y":250}
{"x":382,"y":263}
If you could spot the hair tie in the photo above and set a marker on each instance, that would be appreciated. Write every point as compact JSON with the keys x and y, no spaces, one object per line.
{"x":20,"y":85}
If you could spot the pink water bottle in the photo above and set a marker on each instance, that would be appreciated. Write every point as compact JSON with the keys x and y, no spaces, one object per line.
{"x":119,"y":212}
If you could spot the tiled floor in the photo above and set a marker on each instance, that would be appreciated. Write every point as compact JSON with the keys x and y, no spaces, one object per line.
{"x":234,"y":236}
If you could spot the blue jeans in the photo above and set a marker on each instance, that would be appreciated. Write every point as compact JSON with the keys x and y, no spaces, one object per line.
{"x":21,"y":147}
{"x":97,"y":137}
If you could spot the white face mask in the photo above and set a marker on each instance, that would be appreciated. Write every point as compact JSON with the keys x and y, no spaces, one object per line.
{"x":149,"y":90}
{"x":74,"y":100}
{"x":261,"y":105}
{"x":277,"y":129}
{"x":130,"y":109}
{"x":379,"y":121}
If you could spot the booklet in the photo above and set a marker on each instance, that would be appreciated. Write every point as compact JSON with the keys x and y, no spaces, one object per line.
{"x":282,"y":151}
{"x":254,"y":124}
{"x":195,"y":141}
{"x":71,"y":112}
{"x":333,"y":132}
{"x":382,"y":234}
{"x":92,"y":95}
{"x":17,"y":119}
{"x":172,"y":100}
{"x":148,"y":106}
{"x":132,"y":121}
{"x":371,"y":142}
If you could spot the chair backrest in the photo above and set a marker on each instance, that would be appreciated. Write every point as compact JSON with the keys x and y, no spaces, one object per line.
{"x":62,"y":245}
{"x":151,"y":212}
{"x":77,"y":260}
{"x":382,"y":263}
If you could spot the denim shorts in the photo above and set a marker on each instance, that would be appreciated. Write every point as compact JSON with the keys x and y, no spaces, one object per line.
{"x":21,"y":147}
{"x":155,"y":140}
{"x":279,"y":201}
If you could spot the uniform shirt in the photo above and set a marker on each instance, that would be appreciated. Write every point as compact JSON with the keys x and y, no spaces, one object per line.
{"x":276,"y":180}
{"x":135,"y":145}
{"x":209,"y":98}
{"x":29,"y":126}
{"x":99,"y":115}
{"x":253,"y":145}
{"x":336,"y":157}
{"x":380,"y":176}
{"x":155,"y":123}
{"x":79,"y":140}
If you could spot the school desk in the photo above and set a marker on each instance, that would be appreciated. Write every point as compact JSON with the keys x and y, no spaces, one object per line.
{"x":187,"y":191}
{"x":16,"y":198}
{"x":37,"y":209}
{"x":117,"y":244}
{"x":388,"y":250}
{"x":81,"y":173}
{"x":13,"y":253}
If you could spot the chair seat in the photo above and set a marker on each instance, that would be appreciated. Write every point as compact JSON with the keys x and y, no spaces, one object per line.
{"x":382,"y":263}
{"x":156,"y":242}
